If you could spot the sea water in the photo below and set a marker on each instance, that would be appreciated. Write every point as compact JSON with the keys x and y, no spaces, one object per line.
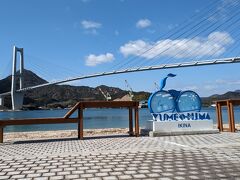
{"x":93,"y":118}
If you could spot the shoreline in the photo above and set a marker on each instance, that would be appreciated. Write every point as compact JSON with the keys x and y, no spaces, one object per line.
{"x":58,"y":134}
{"x":55,"y":134}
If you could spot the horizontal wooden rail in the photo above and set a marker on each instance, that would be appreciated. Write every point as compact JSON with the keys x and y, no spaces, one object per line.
{"x":37,"y":121}
{"x":235,"y":102}
{"x":10,"y":122}
{"x":110,"y":104}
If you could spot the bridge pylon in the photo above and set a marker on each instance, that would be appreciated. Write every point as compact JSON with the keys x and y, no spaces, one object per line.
{"x":17,"y":97}
{"x":1,"y":101}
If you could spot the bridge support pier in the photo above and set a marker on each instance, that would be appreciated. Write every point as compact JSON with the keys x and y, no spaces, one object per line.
{"x":17,"y":100}
{"x":17,"y":97}
{"x":1,"y":101}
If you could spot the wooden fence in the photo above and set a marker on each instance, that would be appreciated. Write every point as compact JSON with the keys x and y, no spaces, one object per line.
{"x":79,"y":107}
{"x":229,"y":103}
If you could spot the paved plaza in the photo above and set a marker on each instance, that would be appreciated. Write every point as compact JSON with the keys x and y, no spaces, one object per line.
{"x":209,"y":156}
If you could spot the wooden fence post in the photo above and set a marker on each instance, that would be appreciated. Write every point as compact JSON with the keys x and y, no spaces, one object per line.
{"x":130,"y":122}
{"x":1,"y":134}
{"x":219,"y":116}
{"x":80,"y":121}
{"x":136,"y":122}
{"x":232,"y":117}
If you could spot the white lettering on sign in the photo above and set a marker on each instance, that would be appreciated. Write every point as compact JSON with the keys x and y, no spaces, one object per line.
{"x":181,"y":116}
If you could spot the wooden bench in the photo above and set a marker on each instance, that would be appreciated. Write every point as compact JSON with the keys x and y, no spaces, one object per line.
{"x":80,"y":106}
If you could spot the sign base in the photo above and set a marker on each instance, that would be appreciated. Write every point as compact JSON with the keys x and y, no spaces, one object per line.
{"x":163,"y":128}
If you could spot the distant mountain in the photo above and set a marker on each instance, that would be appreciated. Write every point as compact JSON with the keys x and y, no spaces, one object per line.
{"x":65,"y":95}
{"x":207,"y":101}
{"x":227,"y":95}
{"x":30,"y":79}
{"x":62,"y":95}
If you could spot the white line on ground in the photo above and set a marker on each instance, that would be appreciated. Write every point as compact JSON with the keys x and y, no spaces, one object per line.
{"x":177,"y":144}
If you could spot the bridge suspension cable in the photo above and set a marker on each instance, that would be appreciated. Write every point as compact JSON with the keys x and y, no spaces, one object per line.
{"x":196,"y":50}
{"x":236,"y":44}
{"x":185,"y":41}
{"x":165,"y":66}
{"x":44,"y":71}
{"x":197,"y":26}
{"x":185,"y":26}
{"x":7,"y":69}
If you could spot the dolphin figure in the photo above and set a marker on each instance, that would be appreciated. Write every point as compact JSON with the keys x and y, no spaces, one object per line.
{"x":163,"y":81}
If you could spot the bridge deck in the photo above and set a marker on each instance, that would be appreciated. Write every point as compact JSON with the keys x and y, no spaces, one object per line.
{"x":139,"y":69}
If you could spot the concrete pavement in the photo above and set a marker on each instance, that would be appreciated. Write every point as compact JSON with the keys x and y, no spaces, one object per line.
{"x":209,"y":156}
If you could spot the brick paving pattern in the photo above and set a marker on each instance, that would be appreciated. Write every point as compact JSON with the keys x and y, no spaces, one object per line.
{"x":210,"y":156}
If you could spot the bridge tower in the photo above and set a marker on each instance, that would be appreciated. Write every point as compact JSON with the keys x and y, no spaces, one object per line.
{"x":17,"y":97}
{"x":1,"y":101}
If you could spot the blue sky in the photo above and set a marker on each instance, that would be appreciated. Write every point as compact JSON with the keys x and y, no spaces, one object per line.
{"x":67,"y":38}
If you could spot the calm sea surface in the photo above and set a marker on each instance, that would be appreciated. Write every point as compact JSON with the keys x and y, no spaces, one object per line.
{"x":93,"y":118}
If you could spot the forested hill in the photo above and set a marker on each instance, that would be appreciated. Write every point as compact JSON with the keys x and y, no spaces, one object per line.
{"x":207,"y":101}
{"x":66,"y":95}
{"x":62,"y":95}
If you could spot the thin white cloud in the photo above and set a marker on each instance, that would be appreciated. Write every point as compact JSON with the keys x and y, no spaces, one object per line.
{"x":197,"y":11}
{"x":227,"y":82}
{"x":116,"y":32}
{"x":67,"y":9}
{"x":220,"y":86}
{"x":193,"y":88}
{"x":93,"y":60}
{"x":90,"y":24}
{"x":210,"y":87}
{"x":151,"y":31}
{"x":91,"y":31}
{"x":76,"y":25}
{"x":223,"y":10}
{"x":214,"y":44}
{"x":85,"y":1}
{"x":172,"y":26}
{"x":143,"y":23}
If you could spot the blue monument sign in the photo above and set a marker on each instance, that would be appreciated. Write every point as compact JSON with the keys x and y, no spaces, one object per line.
{"x":174,"y":110}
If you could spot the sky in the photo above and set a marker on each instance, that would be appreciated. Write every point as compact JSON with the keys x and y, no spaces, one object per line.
{"x":63,"y":39}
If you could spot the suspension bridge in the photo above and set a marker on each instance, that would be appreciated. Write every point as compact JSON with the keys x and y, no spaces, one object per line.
{"x":179,"y":48}
{"x":17,"y":94}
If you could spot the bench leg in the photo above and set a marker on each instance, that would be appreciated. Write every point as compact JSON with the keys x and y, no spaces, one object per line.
{"x":1,"y":134}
